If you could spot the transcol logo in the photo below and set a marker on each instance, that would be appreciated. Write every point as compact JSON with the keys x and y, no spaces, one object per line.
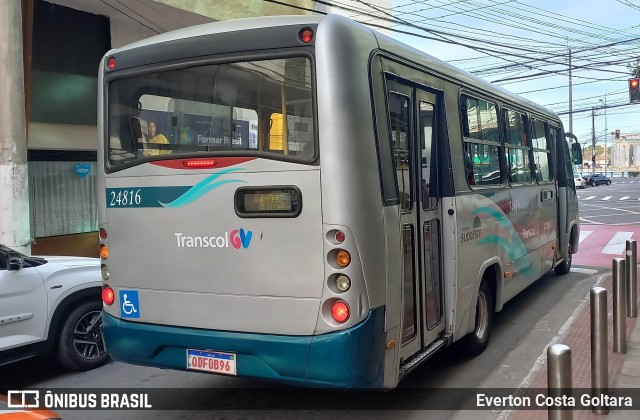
{"x":236,"y":238}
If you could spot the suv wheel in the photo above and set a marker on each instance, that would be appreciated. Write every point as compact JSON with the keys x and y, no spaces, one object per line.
{"x":594,"y":184}
{"x":81,"y":343}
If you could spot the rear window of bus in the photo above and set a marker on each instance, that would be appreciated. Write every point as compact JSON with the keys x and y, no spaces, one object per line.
{"x":257,"y":107}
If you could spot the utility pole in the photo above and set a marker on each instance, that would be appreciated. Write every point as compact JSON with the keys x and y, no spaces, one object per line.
{"x":593,"y":139}
{"x":570,"y":96}
{"x":606,"y":133}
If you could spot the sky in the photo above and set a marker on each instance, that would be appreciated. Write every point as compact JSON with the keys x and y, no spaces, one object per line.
{"x":523,"y":46}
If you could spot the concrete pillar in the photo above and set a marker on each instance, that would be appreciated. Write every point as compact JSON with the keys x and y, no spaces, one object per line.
{"x":15,"y":229}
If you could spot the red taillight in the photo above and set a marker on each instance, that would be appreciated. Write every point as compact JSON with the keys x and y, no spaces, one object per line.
{"x":103,"y":233}
{"x":305,"y":35}
{"x":108,"y":296}
{"x":111,"y":63}
{"x":200,"y":163}
{"x":340,"y":311}
{"x":340,"y":237}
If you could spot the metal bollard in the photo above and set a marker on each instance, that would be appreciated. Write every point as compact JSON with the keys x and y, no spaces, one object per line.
{"x":599,"y":350}
{"x":619,"y":304}
{"x":559,"y":380}
{"x":631,"y":270}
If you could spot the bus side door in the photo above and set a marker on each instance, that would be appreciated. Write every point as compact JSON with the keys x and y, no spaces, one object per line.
{"x":414,"y":133}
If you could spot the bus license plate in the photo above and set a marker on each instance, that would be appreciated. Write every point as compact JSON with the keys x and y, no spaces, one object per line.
{"x":211,"y":361}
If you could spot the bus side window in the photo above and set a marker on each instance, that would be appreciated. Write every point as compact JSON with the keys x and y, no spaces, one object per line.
{"x":517,"y":147}
{"x":541,"y":151}
{"x":482,"y":144}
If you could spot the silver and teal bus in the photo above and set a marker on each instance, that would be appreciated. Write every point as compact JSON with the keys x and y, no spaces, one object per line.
{"x":305,"y":200}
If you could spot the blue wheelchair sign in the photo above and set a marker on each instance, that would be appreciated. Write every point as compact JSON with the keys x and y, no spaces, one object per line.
{"x":129,"y":304}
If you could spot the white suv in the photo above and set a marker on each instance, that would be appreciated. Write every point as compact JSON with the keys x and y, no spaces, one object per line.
{"x":51,"y":305}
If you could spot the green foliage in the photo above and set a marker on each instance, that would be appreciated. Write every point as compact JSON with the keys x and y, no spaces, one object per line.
{"x":634,"y":174}
{"x":634,"y":68}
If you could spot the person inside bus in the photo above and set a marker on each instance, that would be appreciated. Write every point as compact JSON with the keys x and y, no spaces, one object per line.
{"x":468,"y":165}
{"x":153,"y":137}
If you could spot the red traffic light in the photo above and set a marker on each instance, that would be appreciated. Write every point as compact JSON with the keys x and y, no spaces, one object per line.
{"x":617,"y":134}
{"x":634,"y":90}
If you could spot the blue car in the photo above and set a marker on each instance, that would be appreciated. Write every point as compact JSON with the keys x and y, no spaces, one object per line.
{"x":597,"y":179}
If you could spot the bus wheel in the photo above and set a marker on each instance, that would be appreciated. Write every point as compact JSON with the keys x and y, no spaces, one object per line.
{"x":565,"y":266}
{"x":477,"y":340}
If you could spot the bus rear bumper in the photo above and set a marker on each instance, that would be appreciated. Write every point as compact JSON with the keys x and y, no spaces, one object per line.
{"x":353,"y":358}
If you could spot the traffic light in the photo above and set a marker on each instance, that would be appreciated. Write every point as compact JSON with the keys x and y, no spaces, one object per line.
{"x":593,"y":159}
{"x":617,"y":134}
{"x":634,"y":90}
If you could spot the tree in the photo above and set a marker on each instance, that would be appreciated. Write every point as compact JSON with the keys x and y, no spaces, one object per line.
{"x":634,"y":68}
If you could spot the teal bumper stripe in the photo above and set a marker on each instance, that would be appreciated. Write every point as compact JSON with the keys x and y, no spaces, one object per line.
{"x":352,"y":358}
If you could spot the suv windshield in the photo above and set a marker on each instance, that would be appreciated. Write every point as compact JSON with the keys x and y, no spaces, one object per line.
{"x":258,"y":107}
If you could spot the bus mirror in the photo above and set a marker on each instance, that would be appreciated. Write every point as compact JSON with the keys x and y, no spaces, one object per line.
{"x":576,"y":154}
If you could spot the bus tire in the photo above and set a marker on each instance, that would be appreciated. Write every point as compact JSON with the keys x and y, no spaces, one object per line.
{"x":565,"y":266}
{"x":477,"y":340}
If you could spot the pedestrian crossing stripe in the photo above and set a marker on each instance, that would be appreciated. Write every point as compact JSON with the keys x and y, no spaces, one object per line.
{"x":617,"y":244}
{"x":584,"y":234}
{"x":607,"y":198}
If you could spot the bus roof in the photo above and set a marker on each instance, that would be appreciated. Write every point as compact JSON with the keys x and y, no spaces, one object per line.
{"x":221,"y":27}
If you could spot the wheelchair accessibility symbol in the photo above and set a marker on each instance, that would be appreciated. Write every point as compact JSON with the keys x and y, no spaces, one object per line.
{"x":129,"y":304}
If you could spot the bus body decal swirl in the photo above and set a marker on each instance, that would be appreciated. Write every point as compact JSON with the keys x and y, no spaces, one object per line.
{"x":201,"y":188}
{"x":512,"y":245}
{"x":173,"y":197}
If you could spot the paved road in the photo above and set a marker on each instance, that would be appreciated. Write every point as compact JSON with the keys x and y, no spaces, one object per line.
{"x":615,"y":204}
{"x":609,"y":215}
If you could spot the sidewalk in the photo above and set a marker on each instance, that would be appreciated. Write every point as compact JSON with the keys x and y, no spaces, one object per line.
{"x":624,"y":369}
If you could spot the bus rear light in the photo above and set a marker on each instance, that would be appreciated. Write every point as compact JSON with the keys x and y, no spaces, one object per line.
{"x":108,"y":297}
{"x":105,"y":271}
{"x":340,"y":237}
{"x":111,"y":63}
{"x":507,"y":274}
{"x":343,"y":283}
{"x":200,"y":163}
{"x":340,"y":311}
{"x":103,"y":233}
{"x":343,"y":258}
{"x":104,"y":252}
{"x":305,"y":35}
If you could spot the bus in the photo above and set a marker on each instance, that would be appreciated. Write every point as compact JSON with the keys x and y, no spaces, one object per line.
{"x":326,"y":207}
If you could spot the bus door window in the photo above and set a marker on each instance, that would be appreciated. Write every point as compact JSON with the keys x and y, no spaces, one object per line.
{"x":428,"y":159}
{"x":399,"y":118}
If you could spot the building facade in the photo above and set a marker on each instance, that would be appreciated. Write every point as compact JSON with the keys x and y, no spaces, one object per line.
{"x":625,"y":153}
